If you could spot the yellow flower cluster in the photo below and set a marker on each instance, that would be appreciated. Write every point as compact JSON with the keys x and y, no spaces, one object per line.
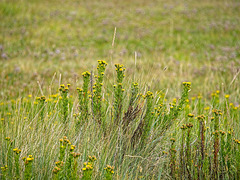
{"x":75,"y":155}
{"x":234,"y":107}
{"x":58,"y":166}
{"x":79,"y":89}
{"x":7,"y":138}
{"x":86,"y":74}
{"x":148,"y":95}
{"x":237,"y":141}
{"x":119,"y":67}
{"x":17,"y":151}
{"x":215,"y":94}
{"x":56,"y":169}
{"x":92,"y":158}
{"x":190,"y":115}
{"x":102,"y":63}
{"x":64,"y":88}
{"x":72,"y":148}
{"x":217,"y":112}
{"x":187,"y":85}
{"x":54,"y":95}
{"x":201,"y":117}
{"x":42,"y":98}
{"x":59,"y":163}
{"x":109,"y":169}
{"x":28,"y":159}
{"x":189,"y":125}
{"x":4,"y":168}
{"x":222,"y":132}
{"x":135,"y":84}
{"x":87,"y":166}
{"x":184,"y":127}
{"x":172,"y":105}
{"x":65,"y":141}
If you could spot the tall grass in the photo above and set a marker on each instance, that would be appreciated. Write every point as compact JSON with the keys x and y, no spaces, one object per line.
{"x":128,"y":135}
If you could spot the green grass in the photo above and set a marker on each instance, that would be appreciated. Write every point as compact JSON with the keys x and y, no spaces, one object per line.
{"x":195,"y":41}
{"x":161,"y":43}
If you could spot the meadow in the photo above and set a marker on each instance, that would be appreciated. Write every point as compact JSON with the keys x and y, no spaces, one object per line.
{"x":162,"y":103}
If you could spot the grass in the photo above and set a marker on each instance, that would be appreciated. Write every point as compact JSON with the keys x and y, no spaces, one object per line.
{"x":186,"y":41}
{"x":161,"y":44}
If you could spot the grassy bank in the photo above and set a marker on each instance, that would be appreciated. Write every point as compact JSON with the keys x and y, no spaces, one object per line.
{"x":143,"y":120}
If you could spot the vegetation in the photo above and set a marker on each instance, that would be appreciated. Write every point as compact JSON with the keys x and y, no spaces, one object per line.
{"x":164,"y":104}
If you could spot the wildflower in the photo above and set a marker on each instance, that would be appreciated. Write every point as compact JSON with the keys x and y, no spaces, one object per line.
{"x":227,"y":96}
{"x":165,"y":152}
{"x":189,"y":125}
{"x":190,"y":115}
{"x":17,"y":151}
{"x":7,"y":138}
{"x":4,"y":168}
{"x":201,"y":117}
{"x":183,"y":126}
{"x":207,"y":108}
{"x":217,"y":112}
{"x":72,"y":147}
{"x":56,"y":170}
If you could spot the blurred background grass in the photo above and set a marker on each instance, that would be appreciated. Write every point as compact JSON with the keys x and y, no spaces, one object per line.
{"x":161,"y":43}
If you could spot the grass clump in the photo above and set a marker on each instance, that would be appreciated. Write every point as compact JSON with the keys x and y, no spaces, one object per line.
{"x":132,"y":129}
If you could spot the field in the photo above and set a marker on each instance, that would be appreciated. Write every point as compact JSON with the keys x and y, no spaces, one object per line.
{"x":163,"y":101}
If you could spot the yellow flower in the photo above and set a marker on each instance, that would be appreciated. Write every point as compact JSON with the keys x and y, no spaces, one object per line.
{"x":227,"y":96}
{"x":207,"y":108}
{"x":29,"y":159}
{"x":190,"y":115}
{"x":88,"y":166}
